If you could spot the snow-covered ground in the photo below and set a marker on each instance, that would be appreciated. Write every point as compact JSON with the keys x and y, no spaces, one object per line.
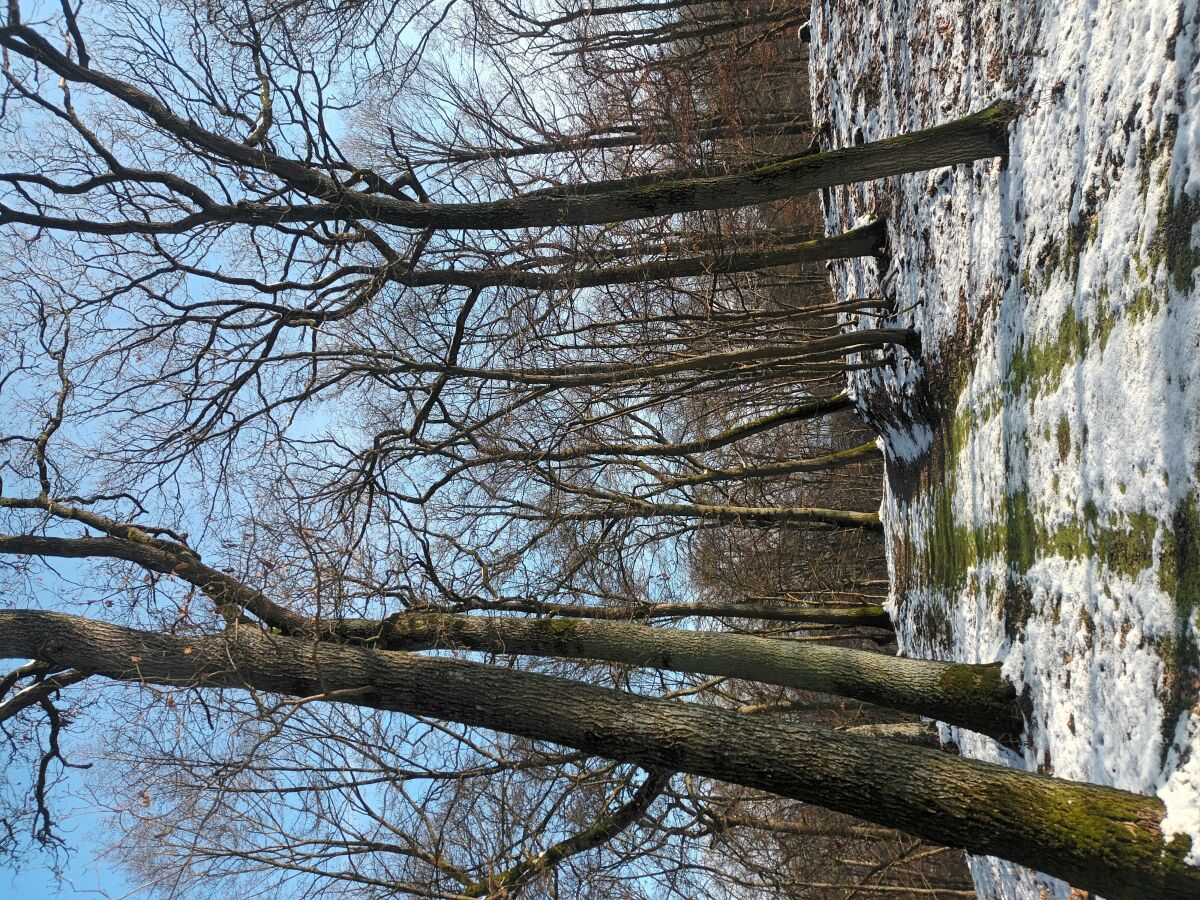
{"x":1043,"y":505}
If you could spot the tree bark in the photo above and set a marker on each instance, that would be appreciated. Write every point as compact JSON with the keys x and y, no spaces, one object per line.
{"x":865,"y":241}
{"x":920,"y":734}
{"x":870,"y":616}
{"x":972,"y":696}
{"x":713,"y":128}
{"x":750,"y":516}
{"x":723,"y":821}
{"x":1097,"y":838}
{"x":835,"y":460}
{"x":978,"y":136}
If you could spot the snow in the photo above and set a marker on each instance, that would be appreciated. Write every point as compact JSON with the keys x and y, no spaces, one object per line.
{"x":1064,"y":343}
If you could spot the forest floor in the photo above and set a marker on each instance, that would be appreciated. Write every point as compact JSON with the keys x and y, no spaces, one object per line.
{"x":1043,"y":491}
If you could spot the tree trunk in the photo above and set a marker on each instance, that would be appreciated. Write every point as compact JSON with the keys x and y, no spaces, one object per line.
{"x":919,"y":734}
{"x":724,"y":821}
{"x":835,"y":460}
{"x":749,"y":516}
{"x":865,"y":241}
{"x":978,"y":136}
{"x":869,"y":616}
{"x":650,"y":135}
{"x":972,"y":696}
{"x":1097,"y":838}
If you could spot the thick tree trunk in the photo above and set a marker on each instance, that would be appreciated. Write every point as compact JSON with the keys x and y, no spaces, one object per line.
{"x":979,"y":136}
{"x":972,"y":696}
{"x":1097,"y":838}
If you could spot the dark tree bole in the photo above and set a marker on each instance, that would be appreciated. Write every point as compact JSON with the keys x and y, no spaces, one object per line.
{"x":981,"y":135}
{"x":1097,"y":838}
{"x":970,"y":696}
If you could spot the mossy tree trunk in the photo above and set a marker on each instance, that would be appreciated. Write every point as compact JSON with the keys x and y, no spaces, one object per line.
{"x":978,"y":136}
{"x":975,"y":697}
{"x":1097,"y":838}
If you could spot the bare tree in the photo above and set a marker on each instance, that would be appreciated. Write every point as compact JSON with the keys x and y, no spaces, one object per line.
{"x":303,"y":377}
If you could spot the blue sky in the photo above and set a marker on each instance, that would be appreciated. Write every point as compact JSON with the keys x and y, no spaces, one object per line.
{"x":83,"y":875}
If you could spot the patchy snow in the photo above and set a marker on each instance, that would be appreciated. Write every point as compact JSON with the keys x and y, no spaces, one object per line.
{"x":1043,"y":502}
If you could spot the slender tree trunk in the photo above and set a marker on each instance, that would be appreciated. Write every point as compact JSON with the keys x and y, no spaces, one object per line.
{"x":649,"y":179}
{"x":596,"y":11}
{"x":919,"y":734}
{"x":1096,"y":838}
{"x":632,"y":136}
{"x":835,"y":460}
{"x":870,"y":616}
{"x":750,"y":516}
{"x":812,"y":355}
{"x":658,"y":242}
{"x":596,"y":834}
{"x":978,"y":136}
{"x":723,"y":822}
{"x":865,"y":241}
{"x":809,"y":352}
{"x":937,"y":893}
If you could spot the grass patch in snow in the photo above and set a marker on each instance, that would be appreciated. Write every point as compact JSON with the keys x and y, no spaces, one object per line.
{"x":1173,"y":243}
{"x":1179,"y":574}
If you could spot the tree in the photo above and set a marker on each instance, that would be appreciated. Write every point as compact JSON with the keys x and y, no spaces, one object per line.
{"x":979,"y":136}
{"x":1100,"y":838}
{"x":414,"y":392}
